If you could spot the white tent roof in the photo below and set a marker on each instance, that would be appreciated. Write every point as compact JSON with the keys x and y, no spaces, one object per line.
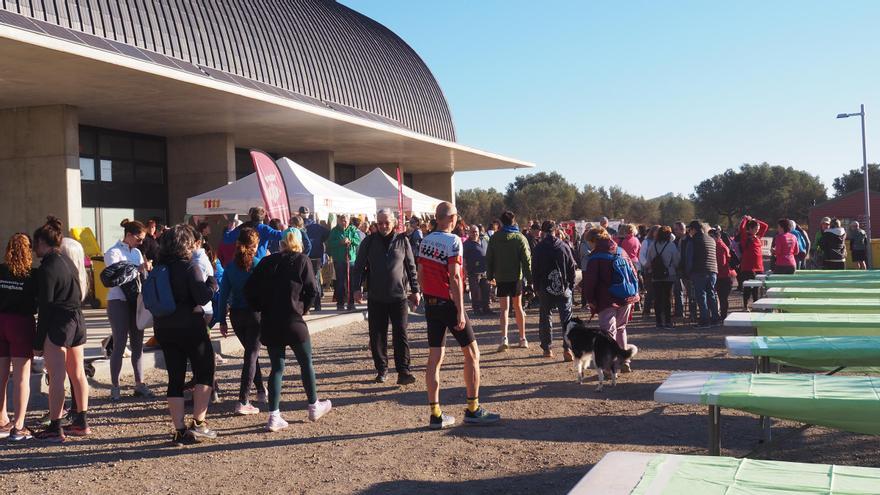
{"x":377,"y":184}
{"x":304,"y":188}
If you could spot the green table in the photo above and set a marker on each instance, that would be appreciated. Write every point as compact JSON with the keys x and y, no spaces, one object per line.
{"x":847,"y":283}
{"x":829,"y":274}
{"x":824,"y":293}
{"x":815,"y":305}
{"x":809,"y":352}
{"x":808,"y":324}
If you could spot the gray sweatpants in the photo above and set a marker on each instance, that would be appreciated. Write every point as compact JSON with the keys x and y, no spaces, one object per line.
{"x":123,"y":324}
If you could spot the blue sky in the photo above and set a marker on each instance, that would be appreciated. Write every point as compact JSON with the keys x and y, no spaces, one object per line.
{"x":651,"y":96}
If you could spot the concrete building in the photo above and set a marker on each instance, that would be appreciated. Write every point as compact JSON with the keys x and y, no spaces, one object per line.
{"x":112,"y":109}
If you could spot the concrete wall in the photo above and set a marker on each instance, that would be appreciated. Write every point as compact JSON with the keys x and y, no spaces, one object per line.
{"x":197,"y":164}
{"x":320,"y":162}
{"x":440,"y":185}
{"x":39,"y":163}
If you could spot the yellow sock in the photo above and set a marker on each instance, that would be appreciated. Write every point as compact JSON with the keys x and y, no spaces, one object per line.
{"x":473,"y":404}
{"x":435,"y":409}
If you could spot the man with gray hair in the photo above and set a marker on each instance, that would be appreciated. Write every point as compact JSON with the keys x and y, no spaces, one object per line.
{"x":440,"y":259}
{"x":389,"y":263}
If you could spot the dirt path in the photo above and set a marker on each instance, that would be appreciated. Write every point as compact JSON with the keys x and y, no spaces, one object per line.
{"x":375,"y":440}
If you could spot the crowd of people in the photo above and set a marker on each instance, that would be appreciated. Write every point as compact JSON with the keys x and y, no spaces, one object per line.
{"x":265,"y":276}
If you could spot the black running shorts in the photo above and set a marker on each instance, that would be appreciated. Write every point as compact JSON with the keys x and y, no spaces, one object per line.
{"x":441,"y":315}
{"x":509,"y":289}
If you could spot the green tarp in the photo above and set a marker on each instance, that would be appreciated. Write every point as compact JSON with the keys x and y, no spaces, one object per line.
{"x":826,"y":293}
{"x":810,"y":324}
{"x":832,"y":283}
{"x":826,"y":275}
{"x":849,"y":403}
{"x":704,"y":475}
{"x":810,"y":305}
{"x":820,"y":352}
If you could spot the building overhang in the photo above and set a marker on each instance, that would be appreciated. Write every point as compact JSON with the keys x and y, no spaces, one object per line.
{"x":117,"y":91}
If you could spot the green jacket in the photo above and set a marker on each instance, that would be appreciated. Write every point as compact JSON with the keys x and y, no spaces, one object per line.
{"x":336,"y":249}
{"x":508,"y":258}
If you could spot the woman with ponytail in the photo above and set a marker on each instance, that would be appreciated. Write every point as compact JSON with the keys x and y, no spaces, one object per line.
{"x":245,"y":321}
{"x":122,"y":310}
{"x":61,"y":331}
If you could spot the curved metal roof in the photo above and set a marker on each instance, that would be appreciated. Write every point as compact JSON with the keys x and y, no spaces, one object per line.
{"x":316,"y":48}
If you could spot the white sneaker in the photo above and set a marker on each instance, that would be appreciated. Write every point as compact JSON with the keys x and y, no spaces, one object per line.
{"x":276,"y":422}
{"x":126,"y":353}
{"x":263,"y":396}
{"x":523,"y":344}
{"x":504,"y":346}
{"x":318,"y":409}
{"x":246,"y":409}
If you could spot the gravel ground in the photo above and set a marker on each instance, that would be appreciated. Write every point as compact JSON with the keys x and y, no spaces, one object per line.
{"x":375,"y":440}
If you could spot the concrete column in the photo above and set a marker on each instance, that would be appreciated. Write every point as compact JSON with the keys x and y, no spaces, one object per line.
{"x":439,"y":185}
{"x":322,"y":163}
{"x":39,"y":163}
{"x":197,"y":164}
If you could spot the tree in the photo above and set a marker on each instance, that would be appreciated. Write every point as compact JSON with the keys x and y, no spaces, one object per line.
{"x":764,"y":191}
{"x":479,"y":205}
{"x":541,"y":196}
{"x":675,"y":209}
{"x":587,"y":203}
{"x":616,"y":202}
{"x":854,"y":180}
{"x":644,"y":211}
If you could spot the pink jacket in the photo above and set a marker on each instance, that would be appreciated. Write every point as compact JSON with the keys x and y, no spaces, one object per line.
{"x":785,"y":248}
{"x":632,"y":247}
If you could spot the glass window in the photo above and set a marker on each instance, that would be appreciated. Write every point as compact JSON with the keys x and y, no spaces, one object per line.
{"x":150,"y":150}
{"x":344,"y":173}
{"x":114,"y":146}
{"x":149,"y":174}
{"x":106,"y":171}
{"x":117,"y":171}
{"x":87,"y":145}
{"x":86,"y":168}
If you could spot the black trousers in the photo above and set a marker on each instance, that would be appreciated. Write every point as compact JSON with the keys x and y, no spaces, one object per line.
{"x":723,"y":286}
{"x":662,"y":302}
{"x":380,"y":314}
{"x":246,"y":325}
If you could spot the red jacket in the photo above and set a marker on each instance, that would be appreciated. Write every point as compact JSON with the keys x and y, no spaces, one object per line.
{"x":752,"y":259}
{"x":785,"y":248}
{"x":722,"y":256}
{"x":596,"y":281}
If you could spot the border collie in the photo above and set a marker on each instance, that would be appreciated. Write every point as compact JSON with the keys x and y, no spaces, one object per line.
{"x":593,"y":345}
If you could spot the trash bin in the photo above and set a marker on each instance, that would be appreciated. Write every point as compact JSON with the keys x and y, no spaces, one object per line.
{"x":100,"y":300}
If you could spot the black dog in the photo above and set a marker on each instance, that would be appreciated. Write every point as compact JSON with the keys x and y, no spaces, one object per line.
{"x":594,"y":345}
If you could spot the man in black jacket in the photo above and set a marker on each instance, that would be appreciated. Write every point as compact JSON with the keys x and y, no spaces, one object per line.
{"x":388,"y":259}
{"x":553,"y":272}
{"x":701,"y":265}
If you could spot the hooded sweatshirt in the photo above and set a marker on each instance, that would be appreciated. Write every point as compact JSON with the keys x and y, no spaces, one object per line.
{"x":553,"y":266}
{"x":833,"y":244}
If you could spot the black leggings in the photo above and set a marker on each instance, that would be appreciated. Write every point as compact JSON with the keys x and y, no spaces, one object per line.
{"x":749,"y":291}
{"x":662,"y":292}
{"x":246,"y":325}
{"x":723,"y":286}
{"x":191,"y":345}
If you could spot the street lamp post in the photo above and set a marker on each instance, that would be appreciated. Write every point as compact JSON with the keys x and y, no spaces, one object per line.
{"x":861,"y":114}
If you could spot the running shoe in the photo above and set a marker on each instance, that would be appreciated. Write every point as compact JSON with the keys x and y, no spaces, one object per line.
{"x":480,"y":417}
{"x":381,"y":377}
{"x":405,"y":379}
{"x":215,"y":397}
{"x":184,"y":437}
{"x":115,"y":396}
{"x":504,"y":346}
{"x":319,"y":409}
{"x":246,"y":409}
{"x":276,"y":423}
{"x":548,"y":353}
{"x":263,"y":396}
{"x":6,"y":429}
{"x":201,"y":430}
{"x":144,"y":391}
{"x":78,"y":429}
{"x":444,"y":421}
{"x":54,"y":435}
{"x":17,"y":435}
{"x":625,"y":368}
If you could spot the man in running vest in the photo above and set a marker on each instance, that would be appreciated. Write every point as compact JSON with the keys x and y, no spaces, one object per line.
{"x":440,"y":276}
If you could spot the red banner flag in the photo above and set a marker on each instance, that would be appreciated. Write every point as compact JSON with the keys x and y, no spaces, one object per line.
{"x":272,"y":186}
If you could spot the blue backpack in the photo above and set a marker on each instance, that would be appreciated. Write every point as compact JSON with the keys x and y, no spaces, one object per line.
{"x":158,"y":298}
{"x":624,"y":283}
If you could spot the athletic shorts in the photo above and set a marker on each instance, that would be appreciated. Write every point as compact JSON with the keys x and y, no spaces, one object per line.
{"x":67,"y":329}
{"x":509,"y":289}
{"x":859,"y":255}
{"x":17,"y":334}
{"x":441,"y":315}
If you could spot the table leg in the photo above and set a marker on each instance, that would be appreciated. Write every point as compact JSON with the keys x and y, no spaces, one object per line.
{"x":766,"y":421}
{"x":714,"y":430}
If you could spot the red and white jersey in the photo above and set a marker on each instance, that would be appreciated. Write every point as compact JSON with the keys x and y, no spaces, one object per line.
{"x":437,"y":251}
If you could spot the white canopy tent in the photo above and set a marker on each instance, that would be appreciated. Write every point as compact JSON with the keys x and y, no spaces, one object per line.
{"x":377,"y":184}
{"x":304,"y":188}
